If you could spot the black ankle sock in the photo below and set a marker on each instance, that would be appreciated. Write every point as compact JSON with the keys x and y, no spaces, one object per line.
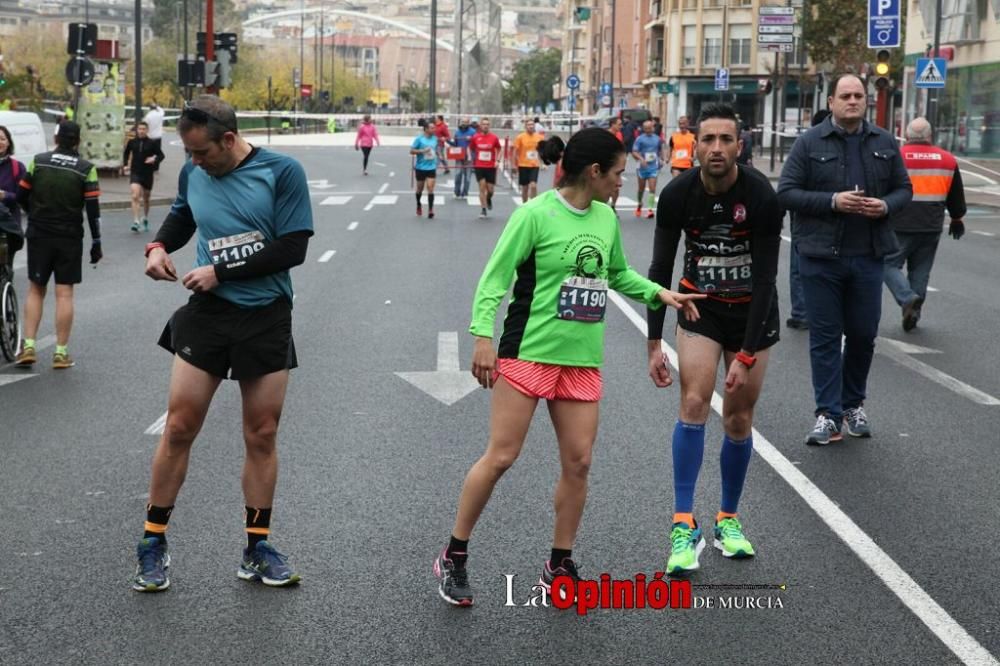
{"x":258,"y":523}
{"x":157,"y":518}
{"x":458,"y":550}
{"x":558,"y":555}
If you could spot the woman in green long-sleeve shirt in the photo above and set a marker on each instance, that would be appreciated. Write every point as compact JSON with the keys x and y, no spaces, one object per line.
{"x":563,"y":251}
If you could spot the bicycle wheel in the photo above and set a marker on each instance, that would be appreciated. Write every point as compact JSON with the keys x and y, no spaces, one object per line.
{"x":10,"y":325}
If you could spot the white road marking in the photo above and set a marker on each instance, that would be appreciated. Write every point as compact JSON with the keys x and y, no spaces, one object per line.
{"x":933,"y":289}
{"x":352,"y":226}
{"x":901,"y":352}
{"x":158,"y":425}
{"x":392,"y":174}
{"x":448,"y":383}
{"x":787,"y":239}
{"x":20,"y":261}
{"x":11,"y":379}
{"x":327,"y":256}
{"x":384,"y":187}
{"x":981,"y":233}
{"x":921,"y":604}
{"x":378,"y":164}
{"x":40,"y":344}
{"x":382,"y":200}
{"x":337,"y":200}
{"x":626,"y":202}
{"x":323,"y":184}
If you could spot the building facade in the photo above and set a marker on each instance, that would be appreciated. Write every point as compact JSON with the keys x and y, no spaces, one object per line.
{"x":967,"y":120}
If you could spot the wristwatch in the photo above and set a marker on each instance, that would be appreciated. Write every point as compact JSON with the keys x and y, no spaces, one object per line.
{"x":151,"y":246}
{"x":746,"y":359}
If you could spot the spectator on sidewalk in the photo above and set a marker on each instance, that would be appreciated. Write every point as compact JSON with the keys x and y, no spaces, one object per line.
{"x":798,"y":319}
{"x":843,"y":179}
{"x":937,"y":185}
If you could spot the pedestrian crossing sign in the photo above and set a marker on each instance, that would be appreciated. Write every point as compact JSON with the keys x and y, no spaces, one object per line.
{"x":931,"y":73}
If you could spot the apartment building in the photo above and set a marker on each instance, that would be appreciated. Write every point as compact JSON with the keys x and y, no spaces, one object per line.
{"x":687,"y":40}
{"x":968,"y":118}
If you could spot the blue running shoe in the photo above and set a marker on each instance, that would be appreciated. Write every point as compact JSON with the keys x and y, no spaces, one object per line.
{"x":151,"y":572}
{"x":267,"y":565}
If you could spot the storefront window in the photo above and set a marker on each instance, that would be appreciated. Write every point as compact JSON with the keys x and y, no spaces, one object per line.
{"x":968,"y":121}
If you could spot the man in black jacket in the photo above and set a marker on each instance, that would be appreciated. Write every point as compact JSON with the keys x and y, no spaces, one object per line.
{"x":55,"y":189}
{"x":843,"y":178}
{"x":141,"y":160}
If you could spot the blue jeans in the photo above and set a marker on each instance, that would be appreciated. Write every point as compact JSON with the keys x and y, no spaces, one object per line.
{"x":795,"y":286}
{"x":462,"y":178}
{"x":917,"y":251}
{"x":843,"y":298}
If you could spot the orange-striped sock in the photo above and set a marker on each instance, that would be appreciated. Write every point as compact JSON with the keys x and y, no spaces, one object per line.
{"x":723,"y":514}
{"x":258,"y":522}
{"x":157,"y":518}
{"x":687,"y":518}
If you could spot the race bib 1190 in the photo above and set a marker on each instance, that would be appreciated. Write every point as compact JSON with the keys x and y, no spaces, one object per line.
{"x":583,"y":299}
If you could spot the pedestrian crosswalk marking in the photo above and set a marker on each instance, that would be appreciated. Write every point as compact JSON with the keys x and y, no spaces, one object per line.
{"x":382,"y":200}
{"x":336,"y":200}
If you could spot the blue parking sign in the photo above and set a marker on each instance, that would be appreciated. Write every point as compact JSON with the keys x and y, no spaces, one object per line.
{"x":883,"y":24}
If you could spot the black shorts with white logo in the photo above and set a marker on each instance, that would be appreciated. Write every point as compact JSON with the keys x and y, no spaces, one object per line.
{"x":726,"y":323}
{"x":60,"y":256}
{"x":228,"y":341}
{"x":527,"y":175}
{"x":424,"y":174}
{"x":143,"y":178}
{"x":487,"y":174}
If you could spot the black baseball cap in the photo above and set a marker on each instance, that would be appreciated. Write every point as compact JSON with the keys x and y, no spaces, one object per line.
{"x":67,"y":129}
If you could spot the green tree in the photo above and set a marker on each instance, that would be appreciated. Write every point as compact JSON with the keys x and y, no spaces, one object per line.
{"x":418,"y":97}
{"x":836,"y":37}
{"x":531,"y":83}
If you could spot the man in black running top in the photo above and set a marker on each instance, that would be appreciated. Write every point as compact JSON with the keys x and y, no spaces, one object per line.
{"x":731,"y":220}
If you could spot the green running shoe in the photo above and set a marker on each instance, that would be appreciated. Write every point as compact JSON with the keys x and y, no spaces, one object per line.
{"x":686,"y":545}
{"x":730,"y":540}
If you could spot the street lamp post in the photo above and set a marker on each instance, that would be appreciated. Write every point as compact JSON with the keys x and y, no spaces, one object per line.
{"x":399,"y":100}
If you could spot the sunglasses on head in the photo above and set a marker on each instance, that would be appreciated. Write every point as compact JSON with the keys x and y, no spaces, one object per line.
{"x":202,"y":117}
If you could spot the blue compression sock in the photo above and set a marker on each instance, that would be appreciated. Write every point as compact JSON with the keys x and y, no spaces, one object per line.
{"x":688,"y":451}
{"x":733,"y":463}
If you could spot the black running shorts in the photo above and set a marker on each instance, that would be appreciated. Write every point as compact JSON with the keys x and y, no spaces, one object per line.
{"x":142,"y":178}
{"x":228,"y":341}
{"x":726,"y":323}
{"x":489,"y":175}
{"x":527,"y":175}
{"x":424,"y":174}
{"x":60,"y":256}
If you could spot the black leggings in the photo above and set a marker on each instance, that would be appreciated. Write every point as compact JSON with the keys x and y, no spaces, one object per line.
{"x":366,"y":151}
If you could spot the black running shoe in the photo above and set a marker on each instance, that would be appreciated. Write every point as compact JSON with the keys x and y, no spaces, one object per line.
{"x":454,"y":587}
{"x":566,"y":568}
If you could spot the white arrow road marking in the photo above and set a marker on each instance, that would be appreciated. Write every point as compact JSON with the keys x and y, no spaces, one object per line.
{"x":981,"y":233}
{"x":10,"y":379}
{"x":323,"y":184}
{"x":901,"y":352}
{"x":338,"y":200}
{"x":352,"y":226}
{"x":382,"y":200}
{"x":447,"y":384}
{"x":921,"y":604}
{"x":327,"y":256}
{"x":158,"y":425}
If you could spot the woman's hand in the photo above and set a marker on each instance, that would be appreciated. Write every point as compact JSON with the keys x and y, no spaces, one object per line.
{"x":484,"y":362}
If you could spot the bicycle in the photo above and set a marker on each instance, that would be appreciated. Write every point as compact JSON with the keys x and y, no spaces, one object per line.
{"x":10,"y":324}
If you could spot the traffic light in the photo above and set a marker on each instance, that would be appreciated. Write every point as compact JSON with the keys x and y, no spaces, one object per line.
{"x":882,"y":68}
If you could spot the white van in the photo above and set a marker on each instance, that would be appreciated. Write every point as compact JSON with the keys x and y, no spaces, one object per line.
{"x":27,"y":132}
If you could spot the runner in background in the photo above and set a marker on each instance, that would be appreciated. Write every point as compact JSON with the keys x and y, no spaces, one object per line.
{"x":526,"y":161}
{"x":648,"y":150}
{"x":424,"y":148}
{"x":681,"y":147}
{"x":443,"y":136}
{"x":485,"y":148}
{"x":463,"y":166}
{"x":366,"y":138}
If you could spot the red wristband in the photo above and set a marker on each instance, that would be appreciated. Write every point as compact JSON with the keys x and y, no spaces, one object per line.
{"x":151,"y":246}
{"x":746,"y":359}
